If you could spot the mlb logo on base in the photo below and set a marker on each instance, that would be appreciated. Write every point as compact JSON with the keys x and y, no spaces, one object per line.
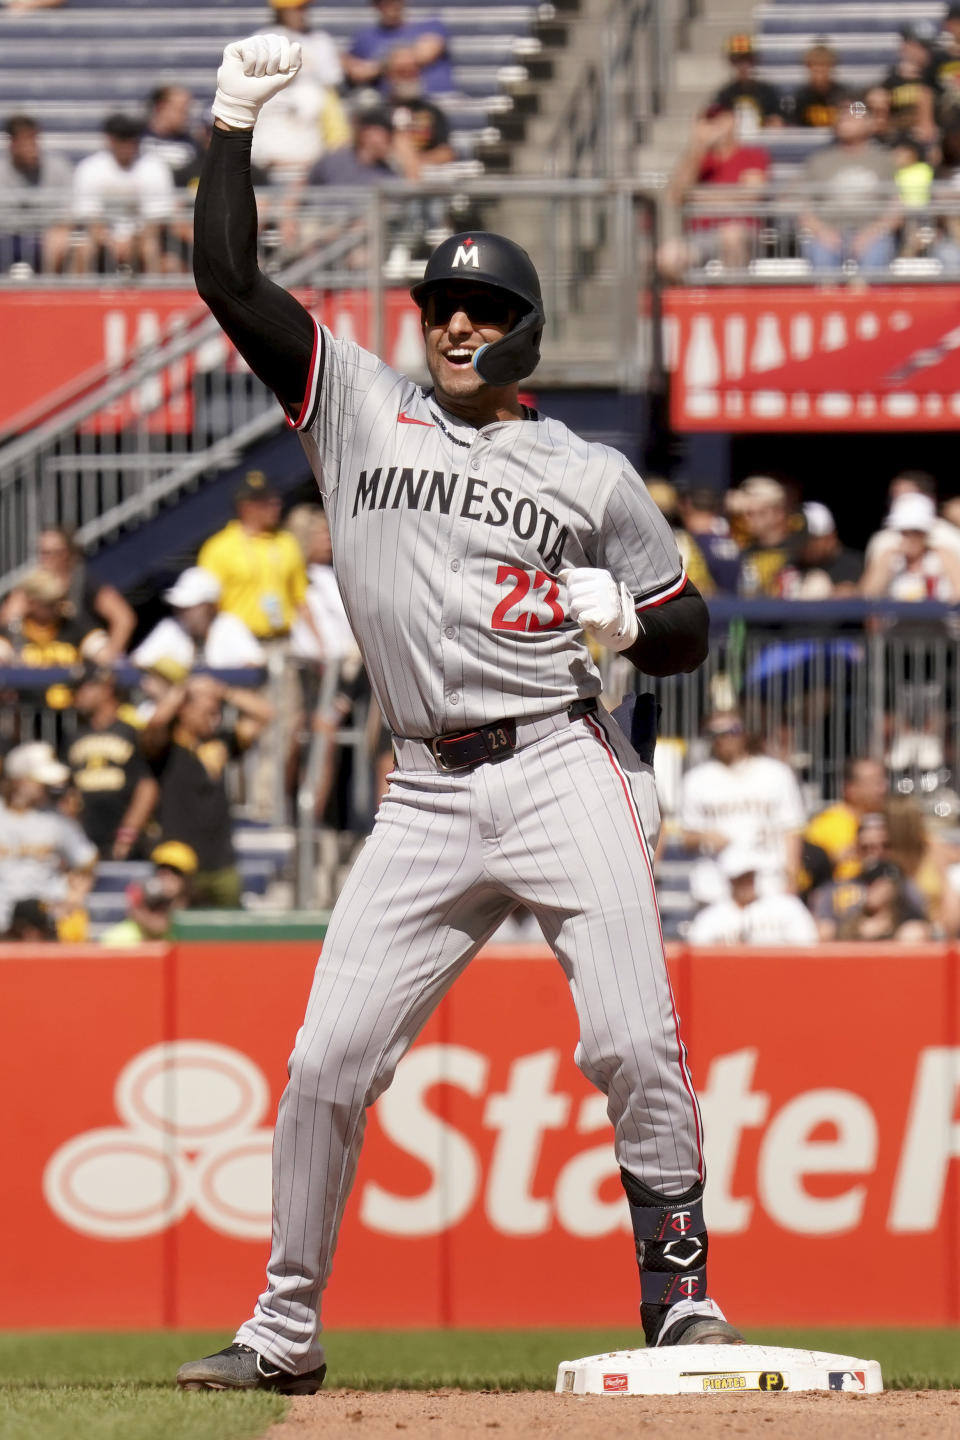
{"x":847,"y":1380}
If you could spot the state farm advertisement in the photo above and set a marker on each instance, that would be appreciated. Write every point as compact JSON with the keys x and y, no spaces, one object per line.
{"x":878,"y":358}
{"x":58,"y":345}
{"x":141,"y":1091}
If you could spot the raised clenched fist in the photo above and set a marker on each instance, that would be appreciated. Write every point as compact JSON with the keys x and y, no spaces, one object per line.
{"x":253,"y":71}
{"x":604,"y":609}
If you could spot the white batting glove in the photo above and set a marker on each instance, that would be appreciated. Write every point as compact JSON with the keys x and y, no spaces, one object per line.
{"x":604,"y":609}
{"x":252,"y":72}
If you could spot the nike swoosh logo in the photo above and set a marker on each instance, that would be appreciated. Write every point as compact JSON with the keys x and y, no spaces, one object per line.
{"x":404,"y":419}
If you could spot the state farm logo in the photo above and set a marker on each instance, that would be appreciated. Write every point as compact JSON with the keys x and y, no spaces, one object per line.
{"x":190,"y":1140}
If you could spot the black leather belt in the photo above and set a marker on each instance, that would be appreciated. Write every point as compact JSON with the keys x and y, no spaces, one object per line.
{"x":494,"y":742}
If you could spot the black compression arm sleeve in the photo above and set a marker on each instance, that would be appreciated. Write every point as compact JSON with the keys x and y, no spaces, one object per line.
{"x":272,"y":330}
{"x":673,"y":636}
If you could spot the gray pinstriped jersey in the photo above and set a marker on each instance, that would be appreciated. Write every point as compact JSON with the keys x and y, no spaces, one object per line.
{"x":447,"y":542}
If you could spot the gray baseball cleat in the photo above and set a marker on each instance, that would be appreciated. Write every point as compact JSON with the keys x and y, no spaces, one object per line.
{"x":239,"y":1367}
{"x":701,"y":1330}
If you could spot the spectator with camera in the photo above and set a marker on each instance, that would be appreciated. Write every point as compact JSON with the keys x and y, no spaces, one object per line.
{"x":189,"y":745}
{"x":152,"y":905}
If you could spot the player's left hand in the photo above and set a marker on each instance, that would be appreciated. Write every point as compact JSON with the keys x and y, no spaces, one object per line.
{"x":604,"y":608}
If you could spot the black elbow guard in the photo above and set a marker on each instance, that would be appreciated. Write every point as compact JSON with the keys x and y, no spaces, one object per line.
{"x":674,"y":636}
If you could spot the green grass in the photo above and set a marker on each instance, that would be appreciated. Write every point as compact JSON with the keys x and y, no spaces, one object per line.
{"x":120,"y":1387}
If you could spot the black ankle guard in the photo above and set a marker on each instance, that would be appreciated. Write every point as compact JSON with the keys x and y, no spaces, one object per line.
{"x":671,"y":1242}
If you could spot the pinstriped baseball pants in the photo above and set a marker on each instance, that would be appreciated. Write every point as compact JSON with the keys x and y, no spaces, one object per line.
{"x":558,"y":826}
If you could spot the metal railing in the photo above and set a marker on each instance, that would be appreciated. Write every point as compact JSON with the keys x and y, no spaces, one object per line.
{"x":103,"y":455}
{"x":821,"y":682}
{"x":817,"y":683}
{"x":618,"y":92}
{"x":803,"y":234}
{"x":37,"y":705}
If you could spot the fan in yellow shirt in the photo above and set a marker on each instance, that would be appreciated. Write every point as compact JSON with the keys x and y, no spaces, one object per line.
{"x":835,"y":828}
{"x":260,"y":567}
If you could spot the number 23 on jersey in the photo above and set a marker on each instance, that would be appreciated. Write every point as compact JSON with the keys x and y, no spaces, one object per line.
{"x":530,"y":604}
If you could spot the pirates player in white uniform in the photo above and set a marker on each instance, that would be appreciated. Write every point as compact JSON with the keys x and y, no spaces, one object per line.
{"x":475,"y":542}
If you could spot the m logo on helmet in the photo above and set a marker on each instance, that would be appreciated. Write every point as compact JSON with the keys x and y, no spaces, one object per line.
{"x":468,"y":254}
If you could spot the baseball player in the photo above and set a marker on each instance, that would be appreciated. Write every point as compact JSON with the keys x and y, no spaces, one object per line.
{"x":476,"y":544}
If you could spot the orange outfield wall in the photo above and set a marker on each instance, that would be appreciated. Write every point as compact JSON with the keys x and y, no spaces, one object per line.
{"x":140,"y":1089}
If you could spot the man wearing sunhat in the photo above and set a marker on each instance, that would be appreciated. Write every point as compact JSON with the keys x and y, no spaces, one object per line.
{"x":42,"y":852}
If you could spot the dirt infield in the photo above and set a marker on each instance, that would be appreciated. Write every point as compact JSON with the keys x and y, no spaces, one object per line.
{"x":450,"y":1414}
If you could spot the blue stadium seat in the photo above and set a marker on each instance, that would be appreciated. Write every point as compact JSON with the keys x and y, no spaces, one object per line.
{"x":101,"y":62}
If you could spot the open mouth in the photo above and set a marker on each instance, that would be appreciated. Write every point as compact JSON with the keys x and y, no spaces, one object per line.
{"x":461,"y":357}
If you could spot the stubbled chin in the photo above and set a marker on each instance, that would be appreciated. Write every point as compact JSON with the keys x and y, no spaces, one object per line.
{"x":455,"y":379}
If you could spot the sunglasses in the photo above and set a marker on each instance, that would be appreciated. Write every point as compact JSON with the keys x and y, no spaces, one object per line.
{"x":482,"y":307}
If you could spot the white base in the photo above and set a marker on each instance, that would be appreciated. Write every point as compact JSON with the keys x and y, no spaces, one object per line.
{"x":716,"y":1369}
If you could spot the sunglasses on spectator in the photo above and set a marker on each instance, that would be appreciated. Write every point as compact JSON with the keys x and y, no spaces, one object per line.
{"x":482,"y":307}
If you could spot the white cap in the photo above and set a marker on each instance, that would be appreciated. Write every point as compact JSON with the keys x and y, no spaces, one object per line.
{"x":762,"y":487}
{"x":736,"y":860}
{"x":195,"y":586}
{"x":819,"y":519}
{"x":912,"y":512}
{"x":35,"y":761}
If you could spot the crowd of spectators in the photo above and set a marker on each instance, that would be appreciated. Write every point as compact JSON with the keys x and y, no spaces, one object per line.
{"x":867,"y":197}
{"x":870,"y":867}
{"x":371,"y":116}
{"x":759,"y":539}
{"x":148,"y":765}
{"x":157,"y":751}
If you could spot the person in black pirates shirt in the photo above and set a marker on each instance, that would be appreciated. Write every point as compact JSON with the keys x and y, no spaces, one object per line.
{"x":107,"y":768}
{"x":189,"y":747}
{"x":814,"y":105}
{"x":910,"y":84}
{"x":49,"y":632}
{"x":754,"y":102}
{"x":945,"y":69}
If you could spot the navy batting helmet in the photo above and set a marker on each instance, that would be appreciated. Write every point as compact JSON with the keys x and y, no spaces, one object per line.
{"x":486,"y":259}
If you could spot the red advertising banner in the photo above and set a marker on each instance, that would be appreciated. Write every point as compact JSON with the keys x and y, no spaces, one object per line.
{"x":141,"y":1090}
{"x":806,"y":358}
{"x":57,"y":342}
